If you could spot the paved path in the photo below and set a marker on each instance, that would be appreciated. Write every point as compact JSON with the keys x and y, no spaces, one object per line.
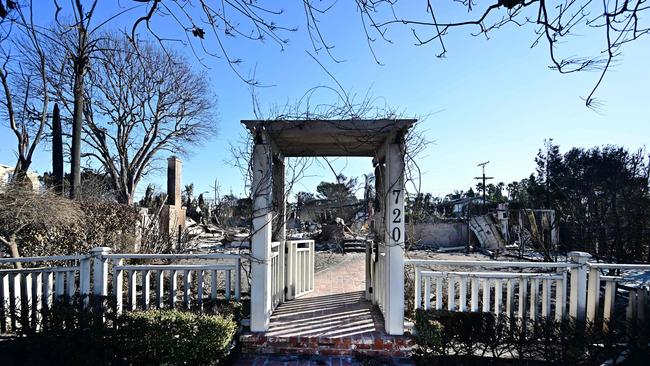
{"x":336,"y":308}
{"x":349,"y":275}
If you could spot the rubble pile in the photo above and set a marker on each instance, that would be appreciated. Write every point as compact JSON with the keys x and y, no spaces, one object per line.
{"x":210,"y":237}
{"x":335,"y":236}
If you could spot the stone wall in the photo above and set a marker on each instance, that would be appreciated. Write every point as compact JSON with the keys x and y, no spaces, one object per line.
{"x":440,"y":235}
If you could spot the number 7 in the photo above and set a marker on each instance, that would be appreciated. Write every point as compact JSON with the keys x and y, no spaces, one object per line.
{"x":396,"y":192}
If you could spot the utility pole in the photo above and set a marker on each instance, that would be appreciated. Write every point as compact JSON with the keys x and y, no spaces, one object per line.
{"x":469,"y":214}
{"x":484,"y":178}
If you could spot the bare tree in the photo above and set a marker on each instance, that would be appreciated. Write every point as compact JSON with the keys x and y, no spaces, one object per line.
{"x":44,"y":58}
{"x":57,"y":150}
{"x":552,"y":24}
{"x":78,"y":45}
{"x":206,"y":28}
{"x":24,"y":82}
{"x":139,"y":105}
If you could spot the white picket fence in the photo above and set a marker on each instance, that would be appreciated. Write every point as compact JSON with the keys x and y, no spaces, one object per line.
{"x":603,"y":303}
{"x":520,"y":294}
{"x":25,"y":292}
{"x":292,"y":270}
{"x":141,"y":281}
{"x":300,"y":257}
{"x":545,"y":289}
{"x":379,"y":276}
{"x":170,"y":279}
{"x":277,"y":273}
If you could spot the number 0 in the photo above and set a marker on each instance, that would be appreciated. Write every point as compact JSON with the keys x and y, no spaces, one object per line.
{"x":396,"y":234}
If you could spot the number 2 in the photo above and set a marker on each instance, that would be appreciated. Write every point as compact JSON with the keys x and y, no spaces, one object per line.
{"x":397,"y":212}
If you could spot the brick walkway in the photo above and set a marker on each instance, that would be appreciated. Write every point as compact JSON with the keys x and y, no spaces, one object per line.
{"x":347,"y":276}
{"x":334,"y":320}
{"x":336,"y":308}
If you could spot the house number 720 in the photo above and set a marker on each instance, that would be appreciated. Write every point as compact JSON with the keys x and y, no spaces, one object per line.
{"x":396,"y":232}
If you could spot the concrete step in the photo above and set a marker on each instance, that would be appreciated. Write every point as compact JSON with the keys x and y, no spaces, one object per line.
{"x":354,"y":345}
{"x":354,"y":246}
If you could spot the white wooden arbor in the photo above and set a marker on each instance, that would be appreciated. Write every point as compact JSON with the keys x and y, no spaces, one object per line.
{"x":383,"y":141}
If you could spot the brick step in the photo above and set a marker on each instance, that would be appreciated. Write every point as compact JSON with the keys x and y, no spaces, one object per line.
{"x":364,"y":345}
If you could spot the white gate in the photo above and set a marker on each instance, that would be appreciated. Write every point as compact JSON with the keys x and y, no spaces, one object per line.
{"x":299,"y":268}
{"x":278,"y":260}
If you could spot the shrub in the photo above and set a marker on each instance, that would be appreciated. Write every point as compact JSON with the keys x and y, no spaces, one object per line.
{"x":429,"y":335}
{"x":442,"y":333}
{"x":171,"y":337}
{"x":67,"y":334}
{"x":445,"y":337}
{"x":64,"y":347}
{"x":108,"y":223}
{"x":70,"y":333}
{"x":237,"y":310}
{"x":54,"y":225}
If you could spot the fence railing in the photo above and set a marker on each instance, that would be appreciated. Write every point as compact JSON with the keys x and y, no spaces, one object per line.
{"x":300,"y":267}
{"x":25,"y":292}
{"x":379,"y":277}
{"x":637,"y":298}
{"x":277,"y":273}
{"x":531,"y":294}
{"x":542,"y":291}
{"x":590,"y":291}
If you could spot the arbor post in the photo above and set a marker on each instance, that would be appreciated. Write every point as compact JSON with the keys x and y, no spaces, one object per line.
{"x":395,"y":239}
{"x":280,"y":207}
{"x":261,"y":238}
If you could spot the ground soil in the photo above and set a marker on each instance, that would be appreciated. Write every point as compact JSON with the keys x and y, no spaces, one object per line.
{"x":326,"y":259}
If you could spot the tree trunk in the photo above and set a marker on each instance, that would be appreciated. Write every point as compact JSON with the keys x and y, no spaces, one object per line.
{"x":57,"y":150}
{"x":75,"y":160}
{"x":13,"y":248}
{"x":77,"y":122}
{"x":124,"y":196}
{"x":19,"y":177}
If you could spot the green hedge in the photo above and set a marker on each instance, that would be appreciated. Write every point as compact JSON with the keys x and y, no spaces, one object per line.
{"x":466,"y":338}
{"x":72,"y":335}
{"x":171,"y":337}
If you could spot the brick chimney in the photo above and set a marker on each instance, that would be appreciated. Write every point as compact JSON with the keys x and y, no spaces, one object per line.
{"x":174,"y":171}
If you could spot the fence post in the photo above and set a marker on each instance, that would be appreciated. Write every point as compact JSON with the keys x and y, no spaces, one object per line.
{"x":368,"y":271}
{"x":100,"y":270}
{"x":417,"y":288}
{"x":238,"y":279}
{"x":84,"y":280}
{"x":578,"y":295}
{"x":593,"y":294}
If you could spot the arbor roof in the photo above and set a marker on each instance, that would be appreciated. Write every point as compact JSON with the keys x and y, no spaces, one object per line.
{"x":352,"y":137}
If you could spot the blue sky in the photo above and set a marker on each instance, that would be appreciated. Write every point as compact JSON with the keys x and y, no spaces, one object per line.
{"x":493,"y":99}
